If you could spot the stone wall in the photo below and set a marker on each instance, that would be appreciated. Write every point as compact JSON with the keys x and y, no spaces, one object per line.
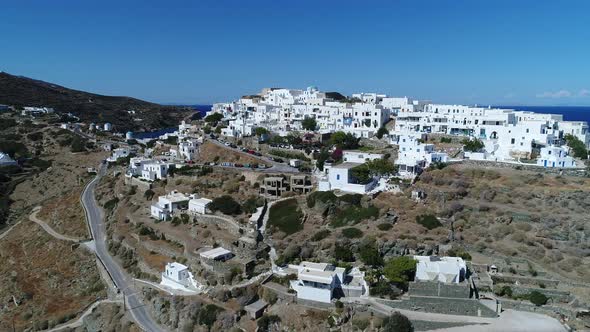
{"x":525,"y":167}
{"x":506,"y":279}
{"x":443,"y":305}
{"x":425,"y":288}
{"x":551,"y":310}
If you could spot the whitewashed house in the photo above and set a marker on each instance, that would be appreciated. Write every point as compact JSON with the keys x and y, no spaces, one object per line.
{"x":322,"y":282}
{"x":5,"y":160}
{"x":555,"y":156}
{"x":118,"y":153}
{"x":414,"y":156}
{"x":178,"y":276}
{"x":155,"y":171}
{"x":217,"y":254}
{"x":442,"y":269}
{"x":198,"y":205}
{"x":360,"y":157}
{"x":187,"y":149}
{"x":168,"y":204}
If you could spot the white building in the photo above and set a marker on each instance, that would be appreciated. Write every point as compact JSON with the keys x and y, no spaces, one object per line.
{"x":554,"y":156}
{"x":36,"y":111}
{"x":5,"y":160}
{"x":108,"y":127}
{"x":178,"y":276}
{"x":443,"y":269}
{"x":339,"y":177}
{"x":217,"y":254}
{"x":414,"y":156}
{"x":118,"y":153}
{"x":359,"y":156}
{"x":199,"y":205}
{"x":169,"y":204}
{"x":322,"y":282}
{"x":155,"y":171}
{"x":187,"y":149}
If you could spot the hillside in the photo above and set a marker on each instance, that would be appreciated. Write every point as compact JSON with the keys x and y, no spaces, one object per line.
{"x":23,"y":91}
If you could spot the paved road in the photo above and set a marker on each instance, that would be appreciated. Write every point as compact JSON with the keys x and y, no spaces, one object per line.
{"x":95,"y":218}
{"x":275,"y":168}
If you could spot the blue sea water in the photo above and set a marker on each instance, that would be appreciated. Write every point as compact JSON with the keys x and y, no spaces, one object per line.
{"x":570,"y":113}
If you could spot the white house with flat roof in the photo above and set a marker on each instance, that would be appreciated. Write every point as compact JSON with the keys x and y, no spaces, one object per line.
{"x":414,"y":156}
{"x":5,"y":160}
{"x":555,"y":156}
{"x":168,"y":204}
{"x":443,"y":269}
{"x":178,"y":276}
{"x":118,"y":153}
{"x":217,"y":254}
{"x":198,"y":205}
{"x":322,"y":282}
{"x":360,"y":157}
{"x":339,"y":177}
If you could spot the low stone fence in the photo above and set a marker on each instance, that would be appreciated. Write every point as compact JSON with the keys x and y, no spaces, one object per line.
{"x":551,"y":310}
{"x":506,"y":279}
{"x":443,"y":305}
{"x":524,"y":167}
{"x":440,"y":289}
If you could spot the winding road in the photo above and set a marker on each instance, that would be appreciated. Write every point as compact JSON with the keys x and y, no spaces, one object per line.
{"x":95,"y":217}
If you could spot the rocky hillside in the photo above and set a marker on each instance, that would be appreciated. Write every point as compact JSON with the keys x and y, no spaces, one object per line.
{"x":23,"y":91}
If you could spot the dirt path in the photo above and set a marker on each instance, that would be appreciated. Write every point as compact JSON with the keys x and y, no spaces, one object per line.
{"x":80,"y":321}
{"x":48,"y":229}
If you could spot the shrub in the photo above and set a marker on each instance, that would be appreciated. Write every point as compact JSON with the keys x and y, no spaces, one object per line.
{"x":446,"y":140}
{"x":208,"y":314}
{"x":429,"y":221}
{"x":504,"y":291}
{"x":353,"y":215}
{"x":343,"y":253}
{"x":110,"y":204}
{"x":286,"y":216}
{"x":382,"y":131}
{"x":226,"y":205}
{"x":578,"y":147}
{"x":266,"y":321}
{"x":459,"y":252}
{"x":320,"y":196}
{"x":251,"y":204}
{"x":149,"y":194}
{"x":309,"y":124}
{"x":352,"y":233}
{"x":369,"y":254}
{"x":400,"y":269}
{"x":397,"y":323}
{"x":385,"y":226}
{"x":537,"y":298}
{"x":320,"y":235}
{"x":473,"y":145}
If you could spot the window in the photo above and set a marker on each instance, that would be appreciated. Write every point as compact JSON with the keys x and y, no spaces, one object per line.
{"x":337,"y":176}
{"x":512,"y":141}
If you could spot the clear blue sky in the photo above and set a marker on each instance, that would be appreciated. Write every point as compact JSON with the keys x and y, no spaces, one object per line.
{"x":471,"y":51}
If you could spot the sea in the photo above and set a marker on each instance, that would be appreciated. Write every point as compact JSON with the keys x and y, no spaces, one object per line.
{"x":570,"y":113}
{"x":201,"y":109}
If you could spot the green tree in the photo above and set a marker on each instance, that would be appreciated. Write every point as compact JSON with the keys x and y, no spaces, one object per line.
{"x":345,"y":141}
{"x":472,"y":145}
{"x":259,"y":131}
{"x":397,"y":323}
{"x":400,"y":269}
{"x":577,"y":146}
{"x":213,"y":118}
{"x":309,"y":124}
{"x":226,"y":205}
{"x":537,"y":298}
{"x":369,"y":253}
{"x":382,"y":131}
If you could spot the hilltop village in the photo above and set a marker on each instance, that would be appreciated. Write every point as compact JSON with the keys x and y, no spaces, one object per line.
{"x":309,"y":210}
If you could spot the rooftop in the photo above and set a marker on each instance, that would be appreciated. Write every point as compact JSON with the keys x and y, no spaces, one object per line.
{"x":346,"y":165}
{"x":215,"y":253}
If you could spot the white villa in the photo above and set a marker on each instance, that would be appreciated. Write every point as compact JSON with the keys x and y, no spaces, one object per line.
{"x":414,"y":156}
{"x":322,"y":282}
{"x":5,"y":160}
{"x":178,"y":276}
{"x":555,"y":156}
{"x":118,"y":153}
{"x":217,"y":254}
{"x":168,"y":204}
{"x":443,"y":269}
{"x":36,"y":111}
{"x":148,"y":169}
{"x":199,"y":205}
{"x":339,"y":176}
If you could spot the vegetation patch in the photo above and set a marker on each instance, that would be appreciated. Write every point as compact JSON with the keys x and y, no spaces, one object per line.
{"x":324,"y":233}
{"x":352,"y":215}
{"x":352,"y":233}
{"x":226,"y":205}
{"x":428,"y":220}
{"x":286,"y":216}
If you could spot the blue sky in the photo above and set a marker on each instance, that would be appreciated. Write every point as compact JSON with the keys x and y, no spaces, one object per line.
{"x":486,"y":52}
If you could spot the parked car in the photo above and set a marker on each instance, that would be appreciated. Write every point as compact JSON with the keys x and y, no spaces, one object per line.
{"x":238,"y":165}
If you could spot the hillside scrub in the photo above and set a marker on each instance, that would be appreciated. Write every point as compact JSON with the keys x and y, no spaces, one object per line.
{"x":352,"y":233}
{"x":578,"y":147}
{"x":472,"y":145}
{"x":286,"y":216}
{"x":429,"y":221}
{"x":226,"y":205}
